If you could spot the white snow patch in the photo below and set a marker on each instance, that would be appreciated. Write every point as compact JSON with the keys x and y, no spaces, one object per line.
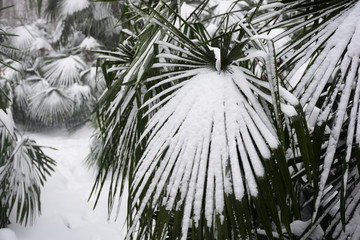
{"x":89,"y":43}
{"x":7,"y":234}
{"x":70,"y":6}
{"x":298,"y":227}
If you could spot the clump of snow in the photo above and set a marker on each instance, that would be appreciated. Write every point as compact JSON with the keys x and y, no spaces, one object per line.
{"x":7,"y":234}
{"x":279,"y":44}
{"x":211,"y":29}
{"x":89,"y":43}
{"x":298,"y":227}
{"x":41,"y":45}
{"x":186,"y":10}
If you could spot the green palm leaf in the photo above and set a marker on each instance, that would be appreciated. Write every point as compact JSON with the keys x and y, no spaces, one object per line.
{"x":325,"y":37}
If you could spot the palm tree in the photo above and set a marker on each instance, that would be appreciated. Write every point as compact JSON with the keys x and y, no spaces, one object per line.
{"x":23,"y":165}
{"x":220,"y":135}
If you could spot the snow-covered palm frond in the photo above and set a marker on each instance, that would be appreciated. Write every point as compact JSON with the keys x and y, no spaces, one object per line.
{"x":81,"y":96}
{"x":94,"y":78}
{"x":69,"y":7}
{"x":64,"y":72}
{"x":21,"y":93}
{"x":51,"y":106}
{"x":193,"y":150}
{"x":24,"y":37}
{"x":37,"y":84}
{"x":325,"y":50}
{"x":7,"y":131}
{"x":21,"y":177}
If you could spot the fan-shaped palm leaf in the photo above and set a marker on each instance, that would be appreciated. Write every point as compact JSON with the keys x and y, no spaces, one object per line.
{"x":23,"y":38}
{"x":64,"y":72}
{"x":51,"y":106}
{"x":69,"y":7}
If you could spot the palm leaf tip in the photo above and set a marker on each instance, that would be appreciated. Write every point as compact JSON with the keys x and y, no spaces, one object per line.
{"x":209,"y":138}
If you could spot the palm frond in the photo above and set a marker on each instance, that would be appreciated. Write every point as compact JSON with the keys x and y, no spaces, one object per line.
{"x":51,"y":106}
{"x":64,"y":72}
{"x":69,"y":7}
{"x":22,"y":39}
{"x":21,"y":176}
{"x":325,"y":36}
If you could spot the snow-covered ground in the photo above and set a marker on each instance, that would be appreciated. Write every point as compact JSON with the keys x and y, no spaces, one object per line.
{"x":66,"y":213}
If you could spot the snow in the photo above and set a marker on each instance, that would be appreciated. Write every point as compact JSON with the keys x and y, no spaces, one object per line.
{"x":41,"y":44}
{"x":298,"y":227}
{"x":7,"y":234}
{"x":66,"y":213}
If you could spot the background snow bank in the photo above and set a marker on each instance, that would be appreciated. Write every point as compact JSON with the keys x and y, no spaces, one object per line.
{"x":7,"y":234}
{"x":66,"y":213}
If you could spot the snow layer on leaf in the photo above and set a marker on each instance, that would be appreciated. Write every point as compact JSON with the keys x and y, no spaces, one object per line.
{"x":89,"y":43}
{"x":298,"y":228}
{"x":193,"y":145}
{"x":79,"y":94}
{"x":6,"y":122}
{"x":25,"y":36}
{"x":69,"y":7}
{"x":51,"y":106}
{"x":40,"y":44}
